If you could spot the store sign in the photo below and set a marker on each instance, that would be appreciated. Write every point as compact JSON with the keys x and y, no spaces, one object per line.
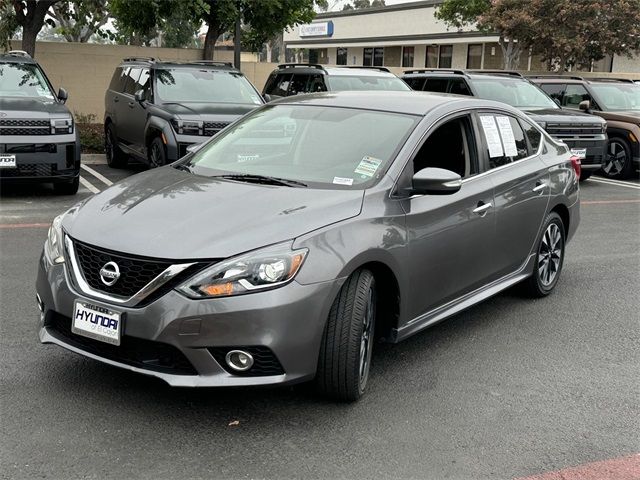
{"x":318,"y":29}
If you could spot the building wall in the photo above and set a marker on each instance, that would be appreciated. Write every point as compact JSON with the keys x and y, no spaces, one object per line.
{"x":393,"y":56}
{"x":626,"y":64}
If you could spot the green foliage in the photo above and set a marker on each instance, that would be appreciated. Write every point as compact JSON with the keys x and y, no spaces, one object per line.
{"x":461,"y":13}
{"x":361,"y":4}
{"x":91,"y":134}
{"x":78,"y":20}
{"x":8,"y":25}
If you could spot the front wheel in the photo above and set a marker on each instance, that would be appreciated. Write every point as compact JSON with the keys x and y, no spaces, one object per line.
{"x":618,"y":163}
{"x":116,"y":158}
{"x":347,"y":343}
{"x":157,"y":153}
{"x":549,"y":258}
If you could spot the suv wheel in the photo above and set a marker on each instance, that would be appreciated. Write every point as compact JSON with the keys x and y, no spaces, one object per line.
{"x":618,"y":162}
{"x":116,"y":158}
{"x":549,"y":258}
{"x":157,"y":153}
{"x":347,"y":343}
{"x":67,"y":188}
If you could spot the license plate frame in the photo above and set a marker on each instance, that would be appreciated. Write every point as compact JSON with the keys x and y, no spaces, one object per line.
{"x":581,"y":153}
{"x":98,"y":323}
{"x":8,"y":161}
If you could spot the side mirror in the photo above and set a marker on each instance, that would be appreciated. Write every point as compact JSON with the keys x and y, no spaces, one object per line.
{"x":267,"y":97}
{"x":584,"y":105}
{"x":140,"y":96}
{"x":62,"y":95}
{"x":435,"y":181}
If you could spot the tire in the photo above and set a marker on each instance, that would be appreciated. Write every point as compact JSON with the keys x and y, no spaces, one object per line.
{"x":157,"y":153}
{"x":618,"y":162}
{"x":116,"y":158}
{"x":347,"y":342}
{"x":549,"y":259}
{"x":67,"y":188}
{"x":584,"y":175}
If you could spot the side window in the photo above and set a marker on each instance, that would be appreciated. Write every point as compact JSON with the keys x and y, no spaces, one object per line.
{"x":436,"y":85}
{"x":459,"y":86}
{"x":116,"y":80}
{"x":130,"y":80}
{"x":554,"y":90}
{"x":505,"y":140}
{"x":416,"y":83}
{"x":451,"y":146}
{"x":316,"y":83}
{"x":299,"y":84}
{"x":144,"y":82}
{"x":573,"y":95}
{"x":533,"y":135}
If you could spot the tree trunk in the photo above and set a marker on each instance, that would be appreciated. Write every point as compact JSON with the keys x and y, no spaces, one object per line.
{"x":269,"y":50}
{"x":510,"y":53}
{"x":29,"y":35}
{"x":210,"y":42}
{"x":31,"y":21}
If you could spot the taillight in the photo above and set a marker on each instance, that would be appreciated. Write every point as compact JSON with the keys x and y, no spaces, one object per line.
{"x":576,"y":163}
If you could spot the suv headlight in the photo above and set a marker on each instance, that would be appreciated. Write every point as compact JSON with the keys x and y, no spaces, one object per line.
{"x":260,"y":270}
{"x":187,"y":127}
{"x":53,"y":248}
{"x":61,"y":125}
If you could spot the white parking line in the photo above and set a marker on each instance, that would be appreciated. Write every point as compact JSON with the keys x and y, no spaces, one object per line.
{"x":616,"y":183}
{"x":88,"y":186}
{"x":99,"y":176}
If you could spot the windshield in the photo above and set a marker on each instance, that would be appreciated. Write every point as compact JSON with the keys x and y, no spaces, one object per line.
{"x":23,"y":80}
{"x":366,"y":82}
{"x":618,"y":96}
{"x":319,"y":146}
{"x":517,"y":93}
{"x":203,"y":86}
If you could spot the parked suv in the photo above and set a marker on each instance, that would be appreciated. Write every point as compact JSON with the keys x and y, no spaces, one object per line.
{"x":615,"y":100}
{"x":38,"y":139}
{"x":154,"y":110}
{"x":584,"y":134}
{"x":296,"y":78}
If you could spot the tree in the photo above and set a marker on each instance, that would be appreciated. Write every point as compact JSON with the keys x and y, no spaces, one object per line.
{"x":30,"y":15}
{"x":8,"y":24}
{"x":361,"y":4}
{"x":80,"y":19}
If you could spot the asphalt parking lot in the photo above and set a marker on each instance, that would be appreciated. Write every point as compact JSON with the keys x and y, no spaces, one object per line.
{"x":510,"y":388}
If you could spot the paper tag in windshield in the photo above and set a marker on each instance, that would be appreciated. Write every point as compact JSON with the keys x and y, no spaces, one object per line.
{"x":247,"y":158}
{"x":342,"y":181}
{"x":368,"y":166}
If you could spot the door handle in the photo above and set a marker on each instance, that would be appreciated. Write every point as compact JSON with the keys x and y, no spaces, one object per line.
{"x":539,"y":187}
{"x":116,"y":99}
{"x":482,"y":208}
{"x":131,"y":104}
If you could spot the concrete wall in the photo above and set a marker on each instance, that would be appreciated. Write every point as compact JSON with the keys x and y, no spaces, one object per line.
{"x":85,"y":70}
{"x":626,"y":64}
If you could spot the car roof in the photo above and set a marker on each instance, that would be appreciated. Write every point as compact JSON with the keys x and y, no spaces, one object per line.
{"x":468,"y":74}
{"x":17,"y":56}
{"x":154,"y":63}
{"x":575,"y":79}
{"x":408,"y":102}
{"x":341,"y":71}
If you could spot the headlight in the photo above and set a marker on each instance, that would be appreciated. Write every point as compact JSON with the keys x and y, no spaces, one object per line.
{"x":61,"y":126}
{"x":187,"y":127}
{"x":263,"y":269}
{"x":53,"y":247}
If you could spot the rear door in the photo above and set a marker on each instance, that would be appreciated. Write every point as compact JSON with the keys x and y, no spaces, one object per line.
{"x":521,"y":186}
{"x":129,"y":110}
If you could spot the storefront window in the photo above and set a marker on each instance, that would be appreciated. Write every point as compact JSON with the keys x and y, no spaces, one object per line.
{"x":432,"y":57}
{"x":373,"y":57}
{"x":407,"y":56}
{"x":341,"y":56}
{"x":474,"y":56}
{"x":446,"y":54}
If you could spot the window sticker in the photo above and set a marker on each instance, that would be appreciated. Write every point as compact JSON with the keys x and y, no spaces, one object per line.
{"x":508,"y":140}
{"x":368,"y":166}
{"x":492,"y":136}
{"x":342,"y":181}
{"x":247,"y":158}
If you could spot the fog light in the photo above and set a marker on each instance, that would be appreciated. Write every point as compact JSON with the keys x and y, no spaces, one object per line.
{"x":239,"y":361}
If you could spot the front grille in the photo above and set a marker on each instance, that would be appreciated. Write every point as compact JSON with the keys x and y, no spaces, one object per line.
{"x":137,"y":352}
{"x":211,"y":128}
{"x":30,"y":170}
{"x":265,"y":363}
{"x":25,"y":127}
{"x":573,"y":130}
{"x":135,"y":272}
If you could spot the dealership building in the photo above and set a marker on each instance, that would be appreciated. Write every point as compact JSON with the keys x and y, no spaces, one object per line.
{"x":408,"y":35}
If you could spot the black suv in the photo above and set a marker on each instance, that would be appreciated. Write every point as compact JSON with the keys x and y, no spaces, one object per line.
{"x":616,"y":100}
{"x":297,"y":78}
{"x":38,"y":140}
{"x":584,"y":134}
{"x":154,"y":110}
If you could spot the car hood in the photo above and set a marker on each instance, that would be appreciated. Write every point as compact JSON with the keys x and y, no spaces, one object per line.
{"x":23,"y":107}
{"x":559,"y":115}
{"x":192,"y":110}
{"x":166,"y":213}
{"x":632,"y":116}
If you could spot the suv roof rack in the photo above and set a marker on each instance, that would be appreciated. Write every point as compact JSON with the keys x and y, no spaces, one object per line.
{"x":509,"y":73}
{"x":140,"y":59}
{"x":557,"y":75}
{"x":208,"y":62}
{"x":302,"y":65}
{"x":436,"y":70}
{"x":18,"y":53}
{"x":610,"y":79}
{"x":381,"y":69}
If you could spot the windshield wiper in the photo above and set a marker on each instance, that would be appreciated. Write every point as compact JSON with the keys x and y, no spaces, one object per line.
{"x":263,"y":179}
{"x":183,"y":167}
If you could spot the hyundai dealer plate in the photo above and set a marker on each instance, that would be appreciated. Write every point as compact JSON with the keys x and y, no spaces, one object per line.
{"x":96,"y":322}
{"x":581,"y":153}
{"x":7,"y":161}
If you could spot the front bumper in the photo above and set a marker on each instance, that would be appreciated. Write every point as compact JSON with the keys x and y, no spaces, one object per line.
{"x":42,"y":158}
{"x":596,"y":151}
{"x":289,"y":321}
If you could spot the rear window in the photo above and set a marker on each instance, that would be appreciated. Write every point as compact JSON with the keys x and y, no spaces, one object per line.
{"x":366,"y":82}
{"x":416,"y":83}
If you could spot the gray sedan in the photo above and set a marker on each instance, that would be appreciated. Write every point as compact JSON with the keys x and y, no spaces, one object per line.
{"x":285,"y":247}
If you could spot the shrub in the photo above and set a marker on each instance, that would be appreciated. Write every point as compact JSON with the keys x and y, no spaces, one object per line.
{"x":91,"y":134}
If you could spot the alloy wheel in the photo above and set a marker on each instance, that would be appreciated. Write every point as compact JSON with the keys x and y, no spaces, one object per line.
{"x":616,"y":159}
{"x":550,"y":255}
{"x":155,"y":156}
{"x":366,"y":338}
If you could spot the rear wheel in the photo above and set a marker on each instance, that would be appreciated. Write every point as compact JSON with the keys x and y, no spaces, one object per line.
{"x":67,"y":188}
{"x":618,"y":163}
{"x":157,"y":153}
{"x":347,"y":343}
{"x":549,"y":258}
{"x":116,"y":158}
